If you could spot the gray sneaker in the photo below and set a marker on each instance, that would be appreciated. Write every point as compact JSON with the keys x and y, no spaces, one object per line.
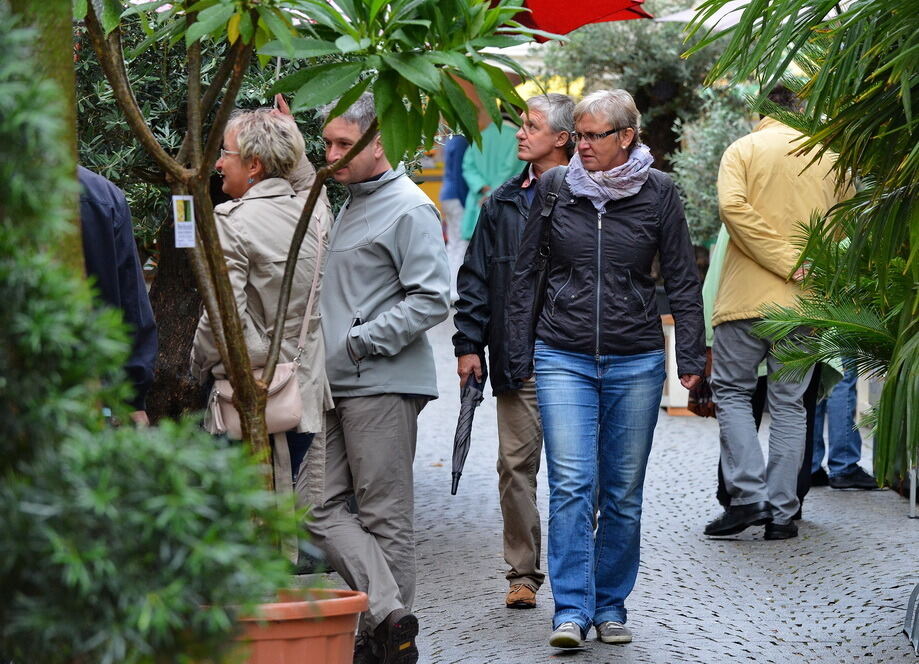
{"x":567,"y":635}
{"x":613,"y":632}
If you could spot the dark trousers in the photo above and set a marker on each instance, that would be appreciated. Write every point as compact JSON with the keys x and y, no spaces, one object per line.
{"x":810,"y":405}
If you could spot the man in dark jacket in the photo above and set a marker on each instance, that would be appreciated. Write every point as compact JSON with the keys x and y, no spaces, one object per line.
{"x":544,"y":142}
{"x":112,"y":260}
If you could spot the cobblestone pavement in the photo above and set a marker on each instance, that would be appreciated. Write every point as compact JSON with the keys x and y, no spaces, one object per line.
{"x":837,"y":593}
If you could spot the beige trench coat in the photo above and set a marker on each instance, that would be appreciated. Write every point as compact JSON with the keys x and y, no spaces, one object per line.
{"x":255,"y":233}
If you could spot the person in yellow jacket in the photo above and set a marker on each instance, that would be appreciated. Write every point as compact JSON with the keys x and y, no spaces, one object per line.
{"x":765,"y":191}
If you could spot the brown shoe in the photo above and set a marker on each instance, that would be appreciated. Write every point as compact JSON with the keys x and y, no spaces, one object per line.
{"x":520,"y":596}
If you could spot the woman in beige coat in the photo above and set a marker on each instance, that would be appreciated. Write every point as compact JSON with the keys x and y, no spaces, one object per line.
{"x":266,"y":172}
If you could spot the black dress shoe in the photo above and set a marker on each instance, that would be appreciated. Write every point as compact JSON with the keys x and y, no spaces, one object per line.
{"x":779,"y":531}
{"x":857,"y":479}
{"x":820,"y":478}
{"x":738,"y":518}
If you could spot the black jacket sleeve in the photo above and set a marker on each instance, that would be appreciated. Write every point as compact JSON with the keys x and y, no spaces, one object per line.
{"x":681,"y":281}
{"x":522,"y":297}
{"x":473,"y":309}
{"x":112,"y":260}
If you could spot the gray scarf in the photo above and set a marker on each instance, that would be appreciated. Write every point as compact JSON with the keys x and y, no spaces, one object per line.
{"x":603,"y":186}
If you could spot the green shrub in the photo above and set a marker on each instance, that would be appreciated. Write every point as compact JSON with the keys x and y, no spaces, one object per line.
{"x":134,"y":545}
{"x":117,"y":545}
{"x":721,"y":121}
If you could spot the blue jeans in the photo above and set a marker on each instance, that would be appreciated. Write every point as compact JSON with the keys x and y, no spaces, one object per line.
{"x":598,"y":419}
{"x":845,"y":442}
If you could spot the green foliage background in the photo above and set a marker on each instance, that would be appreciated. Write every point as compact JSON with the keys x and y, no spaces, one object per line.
{"x":119,"y":545}
{"x":722,"y":119}
{"x":159,"y":79}
{"x":642,"y":57}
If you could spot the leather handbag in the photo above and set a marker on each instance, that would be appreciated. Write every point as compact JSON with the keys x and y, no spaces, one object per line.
{"x":284,"y":407}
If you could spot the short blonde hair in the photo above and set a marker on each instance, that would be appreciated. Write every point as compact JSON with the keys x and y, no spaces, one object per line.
{"x":273,"y":138}
{"x":615,"y":107}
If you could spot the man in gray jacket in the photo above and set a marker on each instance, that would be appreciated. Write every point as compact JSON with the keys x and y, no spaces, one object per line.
{"x":386,"y":282}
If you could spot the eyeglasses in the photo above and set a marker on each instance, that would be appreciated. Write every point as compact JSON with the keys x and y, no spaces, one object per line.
{"x":593,"y":138}
{"x":224,"y":153}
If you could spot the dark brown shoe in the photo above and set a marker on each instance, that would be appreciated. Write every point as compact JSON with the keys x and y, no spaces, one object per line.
{"x":395,"y":638}
{"x":520,"y":596}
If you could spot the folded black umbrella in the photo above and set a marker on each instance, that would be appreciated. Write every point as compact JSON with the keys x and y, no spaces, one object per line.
{"x":471,"y":396}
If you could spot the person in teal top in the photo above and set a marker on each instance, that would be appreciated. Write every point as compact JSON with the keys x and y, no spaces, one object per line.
{"x":488,"y":167}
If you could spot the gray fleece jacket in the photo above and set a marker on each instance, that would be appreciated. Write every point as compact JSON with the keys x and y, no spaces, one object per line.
{"x":386,"y":282}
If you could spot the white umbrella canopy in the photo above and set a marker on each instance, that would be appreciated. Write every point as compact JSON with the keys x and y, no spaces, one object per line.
{"x":724,"y":18}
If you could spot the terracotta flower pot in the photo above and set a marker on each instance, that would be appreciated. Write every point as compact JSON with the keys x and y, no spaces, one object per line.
{"x":304,"y":627}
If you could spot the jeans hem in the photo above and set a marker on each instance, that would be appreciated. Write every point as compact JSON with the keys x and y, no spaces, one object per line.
{"x":576,"y":617}
{"x":606,"y":615}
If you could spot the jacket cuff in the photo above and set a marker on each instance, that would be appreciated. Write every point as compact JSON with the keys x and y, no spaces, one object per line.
{"x":356,"y":344}
{"x":467,"y":348}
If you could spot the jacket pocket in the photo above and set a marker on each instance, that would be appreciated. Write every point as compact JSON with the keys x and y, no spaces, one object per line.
{"x":561,"y":289}
{"x":352,"y":354}
{"x":640,"y":300}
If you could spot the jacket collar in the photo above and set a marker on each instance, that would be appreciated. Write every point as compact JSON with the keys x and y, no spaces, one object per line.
{"x":513,"y":188}
{"x":269,"y":188}
{"x":367,"y":188}
{"x":768,"y":123}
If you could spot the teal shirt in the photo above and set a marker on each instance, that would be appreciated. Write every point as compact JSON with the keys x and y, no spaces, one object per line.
{"x":491,"y":165}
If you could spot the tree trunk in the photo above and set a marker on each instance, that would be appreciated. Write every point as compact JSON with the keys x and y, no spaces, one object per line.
{"x":176,"y":306}
{"x":52,"y":19}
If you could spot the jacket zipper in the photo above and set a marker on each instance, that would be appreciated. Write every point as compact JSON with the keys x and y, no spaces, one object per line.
{"x":599,"y":279}
{"x":357,"y":321}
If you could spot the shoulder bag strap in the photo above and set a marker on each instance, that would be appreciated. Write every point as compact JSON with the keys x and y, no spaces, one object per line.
{"x":311,"y":302}
{"x":555,"y":186}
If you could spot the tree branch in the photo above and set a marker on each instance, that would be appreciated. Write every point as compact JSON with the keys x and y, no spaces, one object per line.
{"x":213,"y":90}
{"x":215,"y":137}
{"x":297,"y":240}
{"x":108,"y":51}
{"x":199,"y":267}
{"x":193,"y":135}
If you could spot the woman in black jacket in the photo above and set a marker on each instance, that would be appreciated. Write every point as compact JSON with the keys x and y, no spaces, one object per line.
{"x":596,"y":337}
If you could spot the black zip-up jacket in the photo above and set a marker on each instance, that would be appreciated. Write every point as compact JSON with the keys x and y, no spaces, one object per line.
{"x":485,"y":276}
{"x":600,"y":297}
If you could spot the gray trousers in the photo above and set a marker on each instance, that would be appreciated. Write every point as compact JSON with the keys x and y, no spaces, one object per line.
{"x":369,"y":451}
{"x":736,"y":354}
{"x":519,"y":449}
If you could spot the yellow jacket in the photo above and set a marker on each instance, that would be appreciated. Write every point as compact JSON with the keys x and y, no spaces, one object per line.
{"x":763,"y":194}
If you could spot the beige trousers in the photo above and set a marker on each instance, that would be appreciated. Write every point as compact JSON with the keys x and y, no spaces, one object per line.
{"x":519,"y":449}
{"x":369,"y":450}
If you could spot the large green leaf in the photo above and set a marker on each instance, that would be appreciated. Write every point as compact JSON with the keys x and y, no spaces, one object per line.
{"x":329,"y":82}
{"x":278,"y":25}
{"x":415,"y":68}
{"x":351,"y":96}
{"x":209,"y":20}
{"x":109,"y":13}
{"x":463,"y":109}
{"x":300,"y":48}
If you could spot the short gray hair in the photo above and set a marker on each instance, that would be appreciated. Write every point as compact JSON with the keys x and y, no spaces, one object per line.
{"x":559,"y":112}
{"x":274,"y":139}
{"x":615,"y":107}
{"x":362,"y":112}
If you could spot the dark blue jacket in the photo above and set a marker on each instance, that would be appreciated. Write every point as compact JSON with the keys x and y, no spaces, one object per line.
{"x":485,"y":276}
{"x":112,"y":260}
{"x":454,"y":185}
